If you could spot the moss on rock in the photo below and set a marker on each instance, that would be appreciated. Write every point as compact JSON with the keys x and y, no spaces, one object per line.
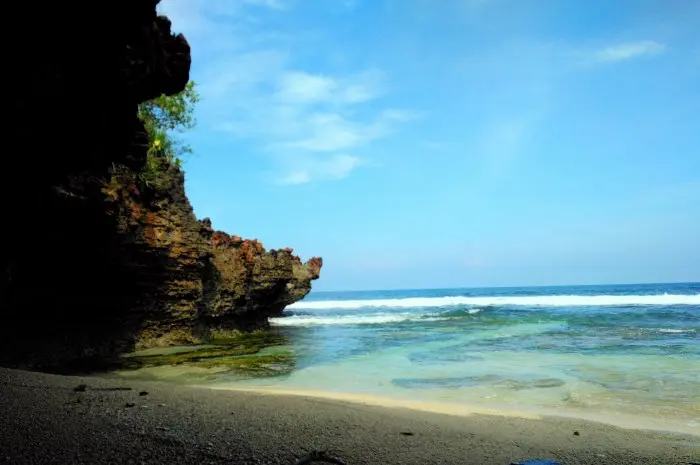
{"x":271,"y":364}
{"x":260,"y":339}
{"x":238,"y":352}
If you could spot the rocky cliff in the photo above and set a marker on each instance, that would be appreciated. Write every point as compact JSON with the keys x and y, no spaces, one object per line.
{"x":95,"y":263}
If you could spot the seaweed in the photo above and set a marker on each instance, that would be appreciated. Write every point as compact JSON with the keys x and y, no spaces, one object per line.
{"x":239,"y":352}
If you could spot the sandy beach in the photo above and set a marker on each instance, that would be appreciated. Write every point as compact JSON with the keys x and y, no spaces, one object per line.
{"x":66,"y":419}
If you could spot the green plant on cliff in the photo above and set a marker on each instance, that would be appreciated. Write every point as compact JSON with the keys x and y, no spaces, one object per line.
{"x":164,"y":117}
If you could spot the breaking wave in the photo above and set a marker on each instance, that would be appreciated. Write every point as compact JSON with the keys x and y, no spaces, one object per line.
{"x":532,"y":301}
{"x":369,"y":319}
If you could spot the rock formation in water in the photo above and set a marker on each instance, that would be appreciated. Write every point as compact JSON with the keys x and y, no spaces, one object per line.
{"x":95,"y":263}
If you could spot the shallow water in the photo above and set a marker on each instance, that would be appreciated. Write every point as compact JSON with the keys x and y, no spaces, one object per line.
{"x":610,"y":350}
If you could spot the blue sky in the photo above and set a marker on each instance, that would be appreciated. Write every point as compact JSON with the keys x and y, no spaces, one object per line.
{"x":452,"y":143}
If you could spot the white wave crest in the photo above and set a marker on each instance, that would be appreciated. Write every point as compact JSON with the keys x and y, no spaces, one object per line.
{"x":310,"y":320}
{"x":675,"y":331}
{"x":542,"y":301}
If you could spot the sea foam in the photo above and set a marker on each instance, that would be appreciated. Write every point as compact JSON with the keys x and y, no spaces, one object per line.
{"x":531,"y":301}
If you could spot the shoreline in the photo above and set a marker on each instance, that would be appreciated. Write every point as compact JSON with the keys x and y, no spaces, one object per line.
{"x":95,"y":420}
{"x":616,"y":419}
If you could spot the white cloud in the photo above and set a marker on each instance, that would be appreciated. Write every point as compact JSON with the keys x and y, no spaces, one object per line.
{"x":241,"y":76}
{"x":301,"y":87}
{"x":393,"y":114}
{"x":337,"y":167}
{"x":626,"y":51}
{"x":275,"y":4}
{"x":253,"y":87}
{"x":340,"y":166}
{"x":295,"y":177}
{"x":330,"y":132}
{"x":362,"y":87}
{"x":475,"y":3}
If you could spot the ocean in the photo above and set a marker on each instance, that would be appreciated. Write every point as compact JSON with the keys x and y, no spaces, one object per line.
{"x":625,"y":354}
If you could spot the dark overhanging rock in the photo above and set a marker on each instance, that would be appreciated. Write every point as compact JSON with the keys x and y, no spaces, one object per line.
{"x":92,"y":262}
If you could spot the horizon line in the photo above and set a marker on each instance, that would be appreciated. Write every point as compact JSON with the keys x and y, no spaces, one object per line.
{"x":503,"y":287}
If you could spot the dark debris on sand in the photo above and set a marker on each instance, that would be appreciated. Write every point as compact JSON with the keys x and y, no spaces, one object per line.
{"x":45,"y":419}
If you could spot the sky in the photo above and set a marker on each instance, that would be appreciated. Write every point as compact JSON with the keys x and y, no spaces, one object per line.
{"x":452,"y":143}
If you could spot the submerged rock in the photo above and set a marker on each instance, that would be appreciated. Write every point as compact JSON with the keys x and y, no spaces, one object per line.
{"x":244,"y":355}
{"x":485,"y":380}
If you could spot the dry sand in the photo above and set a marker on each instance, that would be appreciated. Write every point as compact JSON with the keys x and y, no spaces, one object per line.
{"x":44,"y":420}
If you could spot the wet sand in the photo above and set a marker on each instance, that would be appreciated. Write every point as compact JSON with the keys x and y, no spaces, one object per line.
{"x":623,"y":420}
{"x":44,"y":419}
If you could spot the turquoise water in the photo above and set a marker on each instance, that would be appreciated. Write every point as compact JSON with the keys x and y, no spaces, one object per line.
{"x":604,"y":350}
{"x":632,"y":349}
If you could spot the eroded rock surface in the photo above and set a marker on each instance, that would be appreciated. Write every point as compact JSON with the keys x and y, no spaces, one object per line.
{"x":93,"y":262}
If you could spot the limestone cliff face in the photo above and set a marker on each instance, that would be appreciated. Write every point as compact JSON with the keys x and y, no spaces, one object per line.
{"x":254,"y":282}
{"x":196,"y":280}
{"x":93,"y":263}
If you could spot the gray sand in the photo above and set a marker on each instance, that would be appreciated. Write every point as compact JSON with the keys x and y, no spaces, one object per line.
{"x":44,"y":420}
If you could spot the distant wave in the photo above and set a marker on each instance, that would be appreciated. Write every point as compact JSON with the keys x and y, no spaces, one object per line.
{"x":675,"y":331}
{"x":542,"y":301}
{"x":373,"y":319}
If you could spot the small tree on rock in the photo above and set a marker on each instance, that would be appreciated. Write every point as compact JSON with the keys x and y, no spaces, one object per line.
{"x":163,"y":118}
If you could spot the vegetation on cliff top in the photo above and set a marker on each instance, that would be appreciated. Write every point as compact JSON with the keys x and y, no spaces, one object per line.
{"x":164,"y":117}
